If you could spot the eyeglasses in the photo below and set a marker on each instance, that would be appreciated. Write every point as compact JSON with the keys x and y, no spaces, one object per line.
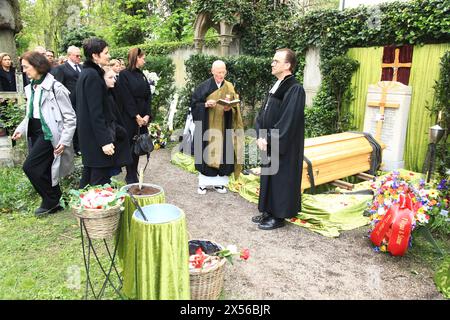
{"x":277,"y":61}
{"x":78,"y":55}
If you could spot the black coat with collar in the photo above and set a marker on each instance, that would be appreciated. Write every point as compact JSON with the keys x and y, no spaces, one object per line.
{"x":134,"y":98}
{"x":8,"y":80}
{"x":282,"y":116}
{"x":68,"y":77}
{"x":93,"y":116}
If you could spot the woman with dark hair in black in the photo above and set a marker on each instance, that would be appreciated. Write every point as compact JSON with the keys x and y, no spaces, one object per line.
{"x":135,"y":99}
{"x":96,"y":137}
{"x":7,"y":73}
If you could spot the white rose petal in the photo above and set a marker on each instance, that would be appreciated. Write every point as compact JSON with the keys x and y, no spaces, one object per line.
{"x":232,"y":248}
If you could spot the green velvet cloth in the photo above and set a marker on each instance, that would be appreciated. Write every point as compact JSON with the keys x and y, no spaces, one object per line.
{"x":324,"y":214}
{"x":369,"y":72}
{"x":184,"y":161}
{"x":157,"y":262}
{"x":425,"y":71}
{"x":327,"y":214}
{"x":125,"y":222}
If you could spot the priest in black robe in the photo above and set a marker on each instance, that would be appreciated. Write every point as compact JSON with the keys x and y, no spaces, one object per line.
{"x":280,"y":128}
{"x":218,"y":134}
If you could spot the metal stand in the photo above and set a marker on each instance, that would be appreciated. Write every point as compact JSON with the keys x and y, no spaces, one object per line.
{"x":87,"y":263}
{"x":428,"y":165}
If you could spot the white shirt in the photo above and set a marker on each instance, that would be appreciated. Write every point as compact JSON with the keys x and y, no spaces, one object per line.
{"x":37,"y":95}
{"x":219,"y":85}
{"x":275,"y":87}
{"x":73,"y":65}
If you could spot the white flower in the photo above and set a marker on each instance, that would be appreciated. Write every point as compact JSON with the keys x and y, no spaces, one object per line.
{"x":152,"y":78}
{"x":422,"y":218}
{"x":232,"y":248}
{"x":381,"y":211}
{"x":422,"y":193}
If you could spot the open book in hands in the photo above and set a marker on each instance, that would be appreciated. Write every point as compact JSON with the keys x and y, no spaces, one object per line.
{"x":227,"y":103}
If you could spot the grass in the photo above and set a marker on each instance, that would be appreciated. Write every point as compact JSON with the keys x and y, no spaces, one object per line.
{"x":43,"y":259}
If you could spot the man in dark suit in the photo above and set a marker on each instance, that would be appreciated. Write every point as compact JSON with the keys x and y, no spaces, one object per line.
{"x":68,"y":74}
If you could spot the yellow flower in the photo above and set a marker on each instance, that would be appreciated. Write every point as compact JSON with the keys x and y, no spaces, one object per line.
{"x":383,"y":248}
{"x":433,"y":193}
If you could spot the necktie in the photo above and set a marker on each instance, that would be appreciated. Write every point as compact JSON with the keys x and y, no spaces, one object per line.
{"x":77,"y":67}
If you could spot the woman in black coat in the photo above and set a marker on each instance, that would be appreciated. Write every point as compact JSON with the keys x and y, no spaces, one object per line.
{"x":96,"y":137}
{"x":135,"y":99}
{"x":122,"y":154}
{"x":7,"y":74}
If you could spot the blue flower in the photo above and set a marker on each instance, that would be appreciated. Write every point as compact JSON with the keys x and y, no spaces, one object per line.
{"x":444,"y":213}
{"x":442,"y":185}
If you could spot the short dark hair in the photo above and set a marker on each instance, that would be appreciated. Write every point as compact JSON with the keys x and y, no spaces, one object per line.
{"x":53,"y":52}
{"x":93,"y":46}
{"x":291,"y":58}
{"x":133,"y":54}
{"x":38,"y":61}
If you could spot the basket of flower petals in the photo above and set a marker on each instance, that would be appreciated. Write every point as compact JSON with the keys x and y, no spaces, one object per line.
{"x":206,"y":267}
{"x":100,"y":208}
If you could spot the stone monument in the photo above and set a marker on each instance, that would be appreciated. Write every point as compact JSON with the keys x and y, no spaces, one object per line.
{"x":10,"y":24}
{"x":386,"y":118}
{"x":312,"y":75}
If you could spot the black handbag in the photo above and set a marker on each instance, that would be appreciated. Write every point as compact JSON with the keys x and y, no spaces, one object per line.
{"x":142,"y":144}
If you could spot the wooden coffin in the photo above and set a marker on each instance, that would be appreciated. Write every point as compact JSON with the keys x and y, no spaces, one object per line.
{"x":336,"y":156}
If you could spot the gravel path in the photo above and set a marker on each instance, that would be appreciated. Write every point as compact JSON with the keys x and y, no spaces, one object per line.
{"x":290,"y":262}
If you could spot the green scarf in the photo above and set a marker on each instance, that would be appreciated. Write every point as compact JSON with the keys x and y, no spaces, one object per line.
{"x":47,"y":133}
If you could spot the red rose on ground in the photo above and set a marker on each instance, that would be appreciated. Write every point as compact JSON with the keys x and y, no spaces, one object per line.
{"x":245,"y":254}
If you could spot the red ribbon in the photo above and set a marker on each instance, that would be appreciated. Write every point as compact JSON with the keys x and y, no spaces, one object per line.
{"x":395,"y":226}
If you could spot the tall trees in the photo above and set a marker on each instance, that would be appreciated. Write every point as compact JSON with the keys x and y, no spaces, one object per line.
{"x":45,"y":20}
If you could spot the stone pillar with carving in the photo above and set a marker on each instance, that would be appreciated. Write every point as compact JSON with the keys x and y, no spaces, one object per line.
{"x":225,"y":41}
{"x":10,"y":24}
{"x":198,"y":45}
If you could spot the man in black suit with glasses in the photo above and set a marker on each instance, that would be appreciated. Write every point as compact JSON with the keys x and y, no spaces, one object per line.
{"x":68,"y":74}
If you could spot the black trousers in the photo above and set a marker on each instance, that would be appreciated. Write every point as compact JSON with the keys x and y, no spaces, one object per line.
{"x":95,"y":176}
{"x":132,"y":176}
{"x":37,"y":165}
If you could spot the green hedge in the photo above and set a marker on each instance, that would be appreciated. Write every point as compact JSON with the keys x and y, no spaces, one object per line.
{"x":165,"y":69}
{"x":442,"y":105}
{"x":326,"y":115}
{"x":161,"y":48}
{"x":153,"y":48}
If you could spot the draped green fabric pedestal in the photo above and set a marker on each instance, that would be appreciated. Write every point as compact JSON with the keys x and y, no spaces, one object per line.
{"x":124,"y":234}
{"x":157,"y":262}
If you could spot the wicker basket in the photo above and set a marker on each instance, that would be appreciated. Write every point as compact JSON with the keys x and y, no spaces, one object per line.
{"x":207,"y":284}
{"x":99,"y":223}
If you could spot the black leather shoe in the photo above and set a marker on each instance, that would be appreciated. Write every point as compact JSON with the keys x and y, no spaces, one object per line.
{"x":258,"y":219}
{"x":271,"y":223}
{"x":39,"y":212}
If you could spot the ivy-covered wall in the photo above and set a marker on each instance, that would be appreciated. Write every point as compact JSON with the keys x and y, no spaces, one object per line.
{"x":266,"y":27}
